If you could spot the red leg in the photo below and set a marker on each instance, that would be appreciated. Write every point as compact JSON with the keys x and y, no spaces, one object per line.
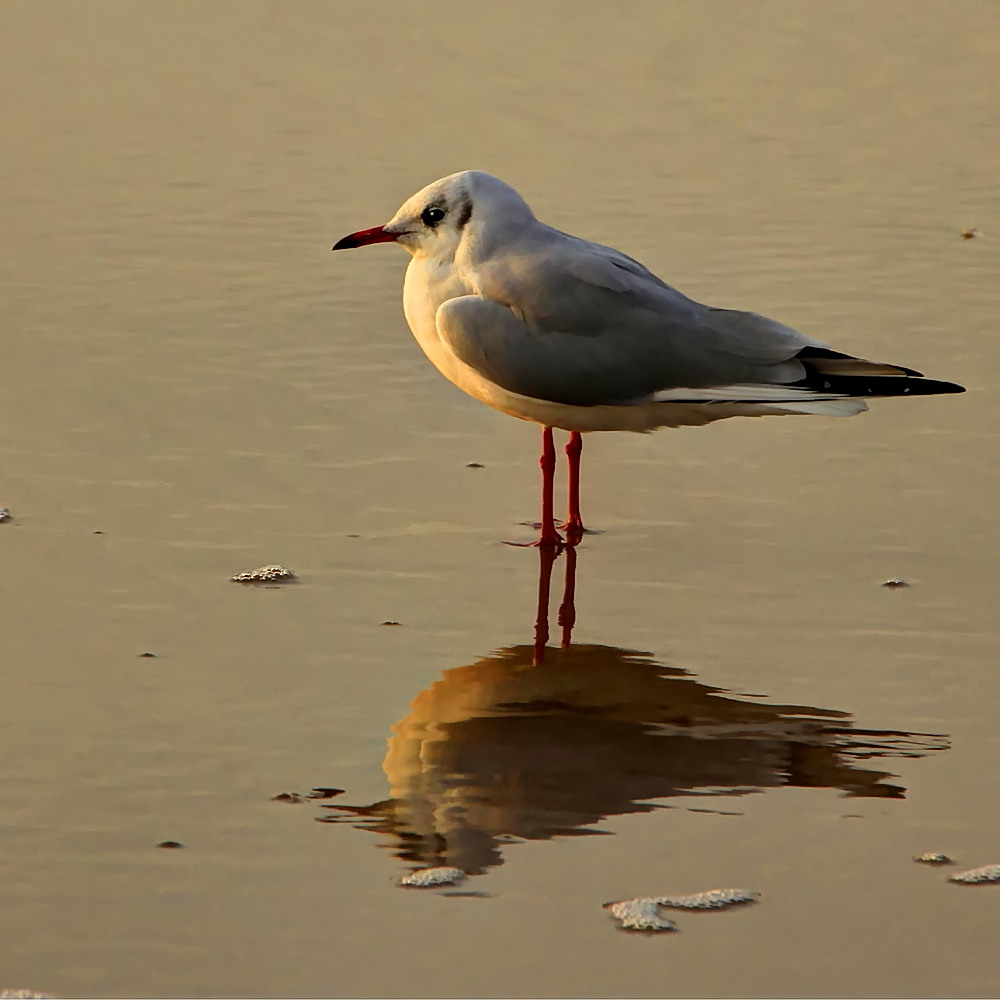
{"x":549,"y":535}
{"x":574,"y":522}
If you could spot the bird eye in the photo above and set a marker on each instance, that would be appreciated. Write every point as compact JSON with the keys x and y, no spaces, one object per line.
{"x":432,"y":215}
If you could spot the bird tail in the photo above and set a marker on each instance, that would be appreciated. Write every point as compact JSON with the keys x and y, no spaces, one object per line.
{"x":834,"y":385}
{"x":840,"y":374}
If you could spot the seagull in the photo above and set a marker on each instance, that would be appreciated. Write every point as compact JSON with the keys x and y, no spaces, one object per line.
{"x":566,"y":333}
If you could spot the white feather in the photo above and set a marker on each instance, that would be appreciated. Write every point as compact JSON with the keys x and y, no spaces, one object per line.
{"x":744,"y":393}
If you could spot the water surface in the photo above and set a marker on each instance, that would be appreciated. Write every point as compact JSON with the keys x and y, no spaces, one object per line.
{"x":193,"y":386}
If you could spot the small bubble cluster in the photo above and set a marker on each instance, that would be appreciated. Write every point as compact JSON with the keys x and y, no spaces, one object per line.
{"x":427,"y":877}
{"x":933,"y":858}
{"x":265,"y":574}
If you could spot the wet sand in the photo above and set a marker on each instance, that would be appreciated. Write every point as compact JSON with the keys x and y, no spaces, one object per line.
{"x":194,"y":387}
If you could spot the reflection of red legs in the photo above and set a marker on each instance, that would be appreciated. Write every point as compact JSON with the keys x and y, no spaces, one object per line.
{"x":574,"y":522}
{"x":567,"y":610}
{"x":547,"y":555}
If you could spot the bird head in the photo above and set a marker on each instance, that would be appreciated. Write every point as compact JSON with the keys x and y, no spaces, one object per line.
{"x":467,"y":207}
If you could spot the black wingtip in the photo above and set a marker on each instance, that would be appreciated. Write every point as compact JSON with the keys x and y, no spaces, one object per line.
{"x":821,"y":364}
{"x":917,"y":387}
{"x":951,"y":387}
{"x":872,"y":386}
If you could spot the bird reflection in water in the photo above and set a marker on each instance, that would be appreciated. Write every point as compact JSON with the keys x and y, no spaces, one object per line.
{"x":535,"y":742}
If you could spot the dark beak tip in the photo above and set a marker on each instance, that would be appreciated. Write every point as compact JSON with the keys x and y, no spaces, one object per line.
{"x":365,"y":238}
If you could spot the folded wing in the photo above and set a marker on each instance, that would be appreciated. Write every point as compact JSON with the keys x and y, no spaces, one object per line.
{"x":584,"y":325}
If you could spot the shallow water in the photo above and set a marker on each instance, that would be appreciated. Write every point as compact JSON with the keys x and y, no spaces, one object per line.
{"x":194,"y":387}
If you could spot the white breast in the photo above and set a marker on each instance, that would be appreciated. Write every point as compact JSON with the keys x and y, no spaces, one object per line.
{"x":421,"y":298}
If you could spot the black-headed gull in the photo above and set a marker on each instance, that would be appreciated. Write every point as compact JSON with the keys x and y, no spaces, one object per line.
{"x":571,"y":334}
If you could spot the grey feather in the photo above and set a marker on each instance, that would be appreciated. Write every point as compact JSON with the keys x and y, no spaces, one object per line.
{"x":614,"y":333}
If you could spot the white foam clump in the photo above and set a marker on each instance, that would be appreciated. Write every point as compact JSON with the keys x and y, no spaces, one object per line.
{"x":643,"y":913}
{"x":23,"y":994}
{"x":987,"y":873}
{"x":711,"y":899}
{"x":640,"y":915}
{"x":265,"y":574}
{"x":433,"y":876}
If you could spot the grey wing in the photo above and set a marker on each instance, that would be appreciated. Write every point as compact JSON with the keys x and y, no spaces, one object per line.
{"x":584,"y":325}
{"x":556,"y":366}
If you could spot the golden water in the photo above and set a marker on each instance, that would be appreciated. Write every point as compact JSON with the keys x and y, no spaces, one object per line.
{"x":187,"y":370}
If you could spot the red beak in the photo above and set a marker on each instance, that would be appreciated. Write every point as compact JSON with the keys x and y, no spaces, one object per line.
{"x":365,"y":238}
